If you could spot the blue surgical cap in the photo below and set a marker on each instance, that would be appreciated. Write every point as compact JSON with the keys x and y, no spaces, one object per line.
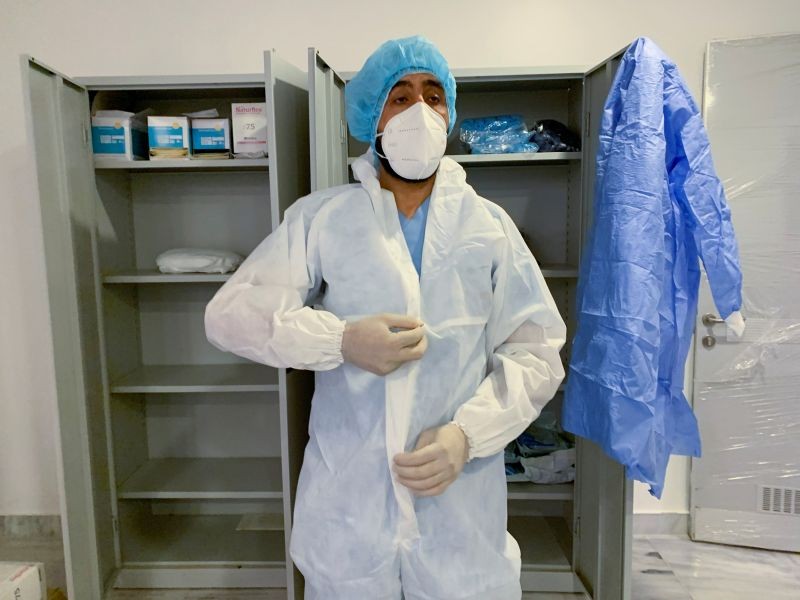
{"x":366,"y":93}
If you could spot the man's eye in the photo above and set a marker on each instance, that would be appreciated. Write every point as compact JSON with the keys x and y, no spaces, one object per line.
{"x":400,"y":100}
{"x":434,"y":99}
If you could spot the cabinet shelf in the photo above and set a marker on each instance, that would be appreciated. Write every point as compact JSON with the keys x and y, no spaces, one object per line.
{"x":146,"y":276}
{"x":205,"y":479}
{"x":536,"y":491}
{"x":502,"y":160}
{"x":182,"y":379}
{"x":546,"y":548}
{"x":539,"y":544}
{"x":521,"y":158}
{"x":153,"y":539}
{"x":155,"y":276}
{"x":559,"y":271}
{"x":171,"y":165}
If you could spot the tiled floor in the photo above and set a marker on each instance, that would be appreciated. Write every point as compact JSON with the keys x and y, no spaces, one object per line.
{"x":265,"y":595}
{"x":675,"y":568}
{"x":270,"y":595}
{"x":664,"y":568}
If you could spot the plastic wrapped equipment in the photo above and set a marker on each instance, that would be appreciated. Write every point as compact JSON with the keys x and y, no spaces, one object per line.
{"x":502,"y":134}
{"x":542,"y":454}
{"x":553,"y":136}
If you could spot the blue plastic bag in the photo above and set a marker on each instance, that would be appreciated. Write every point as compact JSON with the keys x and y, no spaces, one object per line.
{"x":501,"y":134}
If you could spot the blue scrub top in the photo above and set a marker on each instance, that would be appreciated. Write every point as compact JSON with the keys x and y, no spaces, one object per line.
{"x":414,"y":232}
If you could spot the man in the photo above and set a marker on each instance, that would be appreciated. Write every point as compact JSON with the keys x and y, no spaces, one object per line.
{"x":435,"y":342}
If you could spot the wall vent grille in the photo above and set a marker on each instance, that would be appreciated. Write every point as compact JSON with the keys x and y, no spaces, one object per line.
{"x":779,"y":500}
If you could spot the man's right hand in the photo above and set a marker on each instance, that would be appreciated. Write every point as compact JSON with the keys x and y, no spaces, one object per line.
{"x":372,"y":345}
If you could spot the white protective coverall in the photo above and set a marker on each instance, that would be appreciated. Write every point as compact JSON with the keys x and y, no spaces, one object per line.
{"x":492,"y":363}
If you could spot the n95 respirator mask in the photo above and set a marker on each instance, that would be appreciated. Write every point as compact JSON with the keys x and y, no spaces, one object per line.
{"x":414,"y":141}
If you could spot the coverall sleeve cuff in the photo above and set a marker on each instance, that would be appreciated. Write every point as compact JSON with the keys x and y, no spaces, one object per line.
{"x":336,"y":343}
{"x":470,"y":444}
{"x":735,"y":323}
{"x":321,"y":351}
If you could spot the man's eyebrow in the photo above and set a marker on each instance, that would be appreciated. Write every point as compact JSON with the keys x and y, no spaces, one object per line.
{"x":428,"y":82}
{"x":434,"y":82}
{"x":402,"y":83}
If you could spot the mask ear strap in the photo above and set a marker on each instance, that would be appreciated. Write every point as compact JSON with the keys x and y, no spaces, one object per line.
{"x":375,"y":146}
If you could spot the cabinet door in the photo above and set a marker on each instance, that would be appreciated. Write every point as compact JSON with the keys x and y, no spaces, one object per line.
{"x":603,"y":496}
{"x":288,"y":130}
{"x":287,"y":133}
{"x":58,"y":124}
{"x":327,"y":122}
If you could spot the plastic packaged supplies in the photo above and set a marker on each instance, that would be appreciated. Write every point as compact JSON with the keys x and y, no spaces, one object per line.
{"x":553,"y":136}
{"x":541,"y":438}
{"x":197,"y":260}
{"x":556,"y":467}
{"x":659,"y":207}
{"x":500,"y":134}
{"x":542,"y":453}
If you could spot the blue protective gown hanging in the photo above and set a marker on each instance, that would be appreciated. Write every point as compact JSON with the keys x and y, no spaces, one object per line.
{"x":658,"y":207}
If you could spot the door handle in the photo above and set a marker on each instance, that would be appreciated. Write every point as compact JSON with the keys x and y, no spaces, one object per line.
{"x":709,"y":320}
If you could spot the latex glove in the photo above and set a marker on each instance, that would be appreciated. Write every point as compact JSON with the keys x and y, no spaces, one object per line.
{"x":436,"y":462}
{"x":372,"y":345}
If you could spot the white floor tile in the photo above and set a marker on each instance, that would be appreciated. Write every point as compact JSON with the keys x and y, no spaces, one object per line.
{"x":717,"y":572}
{"x":663,"y":568}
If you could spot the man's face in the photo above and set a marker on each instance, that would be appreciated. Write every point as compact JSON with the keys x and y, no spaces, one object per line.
{"x":417,"y":87}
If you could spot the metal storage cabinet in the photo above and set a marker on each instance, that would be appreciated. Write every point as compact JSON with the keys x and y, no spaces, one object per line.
{"x":167,"y":443}
{"x":169,"y":448}
{"x":574,"y":538}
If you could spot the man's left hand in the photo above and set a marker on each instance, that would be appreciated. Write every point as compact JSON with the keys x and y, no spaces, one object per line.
{"x":436,"y":462}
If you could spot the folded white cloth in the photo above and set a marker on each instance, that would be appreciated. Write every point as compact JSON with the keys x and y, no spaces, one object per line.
{"x":197,"y":260}
{"x":556,"y":467}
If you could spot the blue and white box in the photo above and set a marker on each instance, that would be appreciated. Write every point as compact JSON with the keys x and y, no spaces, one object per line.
{"x":119,"y":134}
{"x":169,"y":137}
{"x":210,"y":136}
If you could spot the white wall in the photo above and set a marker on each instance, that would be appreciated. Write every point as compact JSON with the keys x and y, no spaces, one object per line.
{"x":109,"y":37}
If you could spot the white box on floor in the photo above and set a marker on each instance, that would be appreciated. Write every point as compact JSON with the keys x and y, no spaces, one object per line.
{"x":20,"y":581}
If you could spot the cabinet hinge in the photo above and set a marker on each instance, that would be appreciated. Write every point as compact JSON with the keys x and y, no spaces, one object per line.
{"x":587,"y":124}
{"x":115,"y":524}
{"x":341,"y":131}
{"x":85,"y":130}
{"x":577,"y":527}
